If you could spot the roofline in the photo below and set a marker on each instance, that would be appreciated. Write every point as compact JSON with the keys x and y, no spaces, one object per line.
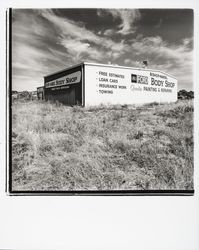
{"x":70,"y":67}
{"x":110,"y":65}
{"x":126,"y":67}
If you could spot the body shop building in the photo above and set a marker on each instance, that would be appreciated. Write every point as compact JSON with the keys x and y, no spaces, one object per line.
{"x":89,"y":84}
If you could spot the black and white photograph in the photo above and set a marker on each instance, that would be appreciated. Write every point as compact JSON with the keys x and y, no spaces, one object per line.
{"x":99,"y":125}
{"x":100,"y":100}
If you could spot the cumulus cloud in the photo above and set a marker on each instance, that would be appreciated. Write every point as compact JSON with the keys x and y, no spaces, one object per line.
{"x":44,"y":42}
{"x":161,"y":49}
{"x":127,"y":17}
{"x":131,"y":63}
{"x":79,"y":50}
{"x":175,"y":59}
{"x":69,"y":27}
{"x":34,"y":50}
{"x":108,"y":32}
{"x":76,"y":38}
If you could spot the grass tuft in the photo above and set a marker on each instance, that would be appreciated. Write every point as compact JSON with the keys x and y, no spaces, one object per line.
{"x":55,"y":147}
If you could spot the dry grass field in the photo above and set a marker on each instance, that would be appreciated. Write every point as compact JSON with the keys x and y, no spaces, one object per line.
{"x":55,"y":147}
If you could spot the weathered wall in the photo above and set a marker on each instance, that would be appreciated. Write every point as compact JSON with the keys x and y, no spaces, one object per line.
{"x":112,"y":85}
{"x":65,"y":86}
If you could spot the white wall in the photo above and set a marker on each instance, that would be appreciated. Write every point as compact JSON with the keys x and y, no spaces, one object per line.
{"x":126,"y":91}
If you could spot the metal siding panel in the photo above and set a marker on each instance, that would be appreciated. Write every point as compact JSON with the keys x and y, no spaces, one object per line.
{"x":70,"y":96}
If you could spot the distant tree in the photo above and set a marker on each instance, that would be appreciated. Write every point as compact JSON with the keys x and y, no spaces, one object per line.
{"x":190,"y":95}
{"x":183,"y":94}
{"x":24,"y":95}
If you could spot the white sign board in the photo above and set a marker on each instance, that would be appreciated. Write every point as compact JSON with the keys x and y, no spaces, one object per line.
{"x":65,"y":80}
{"x":116,"y":85}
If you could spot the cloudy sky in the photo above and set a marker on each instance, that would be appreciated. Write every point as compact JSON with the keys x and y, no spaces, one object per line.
{"x":45,"y":41}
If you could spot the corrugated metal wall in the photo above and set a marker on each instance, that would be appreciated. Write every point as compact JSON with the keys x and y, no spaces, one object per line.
{"x":66,"y":96}
{"x":70,"y":94}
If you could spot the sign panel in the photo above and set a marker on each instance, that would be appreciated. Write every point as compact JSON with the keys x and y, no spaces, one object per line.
{"x":65,"y":80}
{"x":112,"y":85}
